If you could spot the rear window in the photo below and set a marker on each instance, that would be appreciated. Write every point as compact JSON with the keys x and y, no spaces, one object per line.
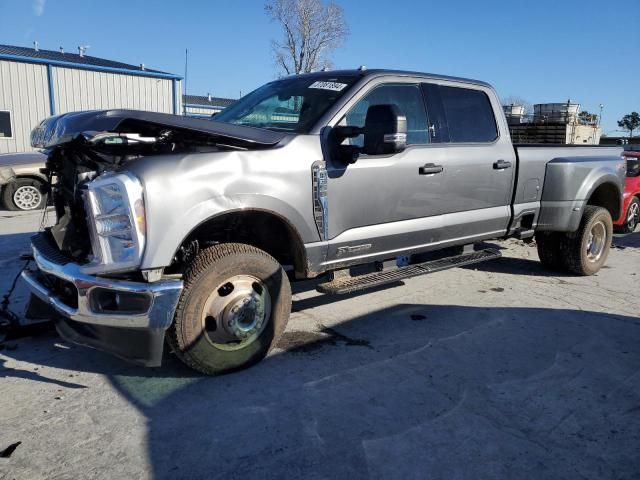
{"x":460,"y":115}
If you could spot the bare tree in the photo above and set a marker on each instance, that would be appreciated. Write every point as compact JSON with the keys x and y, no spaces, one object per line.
{"x":311,"y":29}
{"x":516,"y":100}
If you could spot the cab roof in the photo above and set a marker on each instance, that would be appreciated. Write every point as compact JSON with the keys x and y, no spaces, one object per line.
{"x":381,"y":72}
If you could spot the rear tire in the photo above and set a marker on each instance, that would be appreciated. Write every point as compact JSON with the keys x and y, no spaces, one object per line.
{"x":585,"y":251}
{"x":233,"y":309}
{"x":582,"y":252}
{"x":24,"y":194}
{"x":632,"y":217}
{"x":548,"y":244}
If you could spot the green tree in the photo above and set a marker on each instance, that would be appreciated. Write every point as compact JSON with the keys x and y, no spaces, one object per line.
{"x":630,"y":122}
{"x":587,"y":118}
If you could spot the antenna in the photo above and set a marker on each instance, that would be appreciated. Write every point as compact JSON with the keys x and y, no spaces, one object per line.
{"x":62,"y":50}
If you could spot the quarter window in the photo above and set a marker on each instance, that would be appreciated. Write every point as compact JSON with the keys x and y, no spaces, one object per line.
{"x":407,"y":97}
{"x":5,"y":124}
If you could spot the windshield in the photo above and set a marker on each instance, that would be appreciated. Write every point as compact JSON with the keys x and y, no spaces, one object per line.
{"x":291,"y":104}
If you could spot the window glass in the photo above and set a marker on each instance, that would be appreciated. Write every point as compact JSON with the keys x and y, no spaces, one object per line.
{"x":5,"y":124}
{"x":633,"y":167}
{"x":407,"y":97}
{"x":469,"y":115}
{"x":438,"y":129}
{"x":293,"y":104}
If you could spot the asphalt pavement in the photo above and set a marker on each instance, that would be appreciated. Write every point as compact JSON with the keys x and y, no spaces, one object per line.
{"x":498,"y":370}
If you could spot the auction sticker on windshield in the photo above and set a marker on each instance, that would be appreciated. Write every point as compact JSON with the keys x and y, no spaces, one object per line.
{"x":335,"y":86}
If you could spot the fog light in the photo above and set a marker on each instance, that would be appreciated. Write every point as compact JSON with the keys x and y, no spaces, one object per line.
{"x":110,"y":301}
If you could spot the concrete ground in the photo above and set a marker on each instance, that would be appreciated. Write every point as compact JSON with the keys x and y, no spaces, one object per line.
{"x":502,"y":370}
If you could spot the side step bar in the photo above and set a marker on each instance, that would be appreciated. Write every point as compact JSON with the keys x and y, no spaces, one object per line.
{"x":348,"y":284}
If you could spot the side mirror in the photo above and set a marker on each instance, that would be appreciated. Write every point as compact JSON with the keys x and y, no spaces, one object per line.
{"x":345,"y":153}
{"x":385,"y":130}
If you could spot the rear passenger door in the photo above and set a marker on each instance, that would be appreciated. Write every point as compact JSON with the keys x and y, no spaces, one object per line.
{"x":479,"y":162}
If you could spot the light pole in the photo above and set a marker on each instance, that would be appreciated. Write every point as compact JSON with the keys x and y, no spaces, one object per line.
{"x":600,"y":117}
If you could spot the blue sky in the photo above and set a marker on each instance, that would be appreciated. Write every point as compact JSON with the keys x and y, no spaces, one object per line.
{"x":541,"y":50}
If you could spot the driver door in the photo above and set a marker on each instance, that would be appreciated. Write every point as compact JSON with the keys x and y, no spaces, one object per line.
{"x":385,"y":204}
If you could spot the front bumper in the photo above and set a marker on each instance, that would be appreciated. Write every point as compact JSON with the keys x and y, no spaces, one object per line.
{"x":134,"y":334}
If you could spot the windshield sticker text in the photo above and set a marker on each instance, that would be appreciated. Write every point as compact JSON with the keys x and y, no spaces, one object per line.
{"x":336,"y":87}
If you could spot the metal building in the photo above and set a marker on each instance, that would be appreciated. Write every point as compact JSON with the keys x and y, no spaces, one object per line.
{"x":204,"y":106}
{"x":558,"y":123}
{"x":35,"y":84}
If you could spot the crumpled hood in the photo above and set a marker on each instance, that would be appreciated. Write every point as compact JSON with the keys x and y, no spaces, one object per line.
{"x":65,"y":128}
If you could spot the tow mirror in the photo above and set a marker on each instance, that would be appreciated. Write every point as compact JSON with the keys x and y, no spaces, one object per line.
{"x":385,"y":130}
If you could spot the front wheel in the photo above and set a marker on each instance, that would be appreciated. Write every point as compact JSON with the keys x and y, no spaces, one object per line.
{"x":233,"y":309}
{"x":24,"y":194}
{"x":632,"y":217}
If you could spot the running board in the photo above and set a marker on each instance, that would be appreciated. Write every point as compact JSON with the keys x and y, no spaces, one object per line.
{"x":348,"y":284}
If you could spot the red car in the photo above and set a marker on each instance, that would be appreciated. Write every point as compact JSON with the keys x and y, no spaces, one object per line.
{"x":630,"y":217}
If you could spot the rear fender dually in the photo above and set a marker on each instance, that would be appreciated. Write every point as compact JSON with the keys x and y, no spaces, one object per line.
{"x":571,"y":183}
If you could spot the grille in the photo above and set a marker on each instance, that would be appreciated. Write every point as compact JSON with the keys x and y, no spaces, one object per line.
{"x":46,"y":247}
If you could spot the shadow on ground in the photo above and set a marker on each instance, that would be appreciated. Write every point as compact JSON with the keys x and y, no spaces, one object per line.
{"x":409,"y":391}
{"x":631,"y":240}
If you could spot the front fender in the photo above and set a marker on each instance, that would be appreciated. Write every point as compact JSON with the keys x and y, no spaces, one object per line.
{"x":161,"y":247}
{"x":7,"y":175}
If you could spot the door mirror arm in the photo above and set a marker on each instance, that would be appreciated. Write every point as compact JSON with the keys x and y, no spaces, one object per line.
{"x":342,"y":132}
{"x":346,"y":154}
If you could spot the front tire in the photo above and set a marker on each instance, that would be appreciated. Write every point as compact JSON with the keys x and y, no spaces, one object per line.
{"x":632,"y":217}
{"x":24,"y":194}
{"x":233,"y":309}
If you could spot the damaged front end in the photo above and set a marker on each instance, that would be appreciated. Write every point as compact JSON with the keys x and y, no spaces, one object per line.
{"x":88,"y":263}
{"x":87,"y":152}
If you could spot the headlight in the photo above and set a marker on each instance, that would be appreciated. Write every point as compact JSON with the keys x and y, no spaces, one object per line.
{"x":116,"y":218}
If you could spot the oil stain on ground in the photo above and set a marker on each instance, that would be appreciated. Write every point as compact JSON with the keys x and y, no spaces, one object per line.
{"x":307,"y":342}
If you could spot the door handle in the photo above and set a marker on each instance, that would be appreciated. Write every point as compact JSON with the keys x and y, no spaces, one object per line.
{"x":501,"y":165}
{"x":430,"y":169}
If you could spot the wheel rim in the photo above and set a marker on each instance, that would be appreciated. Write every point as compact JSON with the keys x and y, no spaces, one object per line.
{"x":633,"y":217}
{"x":27,"y":197}
{"x":596,"y":241}
{"x":236,"y":312}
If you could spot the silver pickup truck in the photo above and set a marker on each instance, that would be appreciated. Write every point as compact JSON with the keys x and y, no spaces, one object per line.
{"x":192,"y":230}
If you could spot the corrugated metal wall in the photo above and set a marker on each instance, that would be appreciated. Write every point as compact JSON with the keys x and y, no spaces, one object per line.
{"x":87,"y":90}
{"x":24,"y":91}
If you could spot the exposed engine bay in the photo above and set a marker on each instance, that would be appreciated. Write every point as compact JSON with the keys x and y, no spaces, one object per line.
{"x":83,"y":146}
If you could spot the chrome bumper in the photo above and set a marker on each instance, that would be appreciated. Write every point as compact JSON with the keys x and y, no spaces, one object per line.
{"x":163,"y":296}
